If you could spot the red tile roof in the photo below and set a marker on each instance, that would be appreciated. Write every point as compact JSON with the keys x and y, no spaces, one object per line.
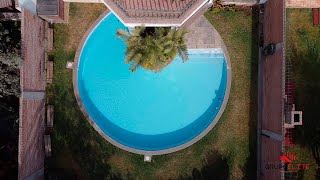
{"x":33,"y":74}
{"x":32,"y":101}
{"x":271,"y":92}
{"x":31,"y":131}
{"x":5,"y":3}
{"x":153,"y":8}
{"x":154,"y":11}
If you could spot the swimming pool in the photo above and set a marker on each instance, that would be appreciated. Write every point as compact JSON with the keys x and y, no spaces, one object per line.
{"x":146,"y":112}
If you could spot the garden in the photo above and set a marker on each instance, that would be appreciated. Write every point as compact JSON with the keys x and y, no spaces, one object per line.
{"x":303,"y":52}
{"x":226,"y":152}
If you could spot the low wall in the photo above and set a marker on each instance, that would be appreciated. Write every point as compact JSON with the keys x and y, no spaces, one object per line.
{"x":302,"y":3}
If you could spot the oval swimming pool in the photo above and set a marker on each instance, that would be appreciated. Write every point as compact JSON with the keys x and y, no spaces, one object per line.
{"x":146,"y":112}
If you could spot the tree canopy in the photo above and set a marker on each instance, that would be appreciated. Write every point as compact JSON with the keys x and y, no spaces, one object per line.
{"x":10,"y":75}
{"x":10,"y":36}
{"x":10,"y":39}
{"x":153,"y":48}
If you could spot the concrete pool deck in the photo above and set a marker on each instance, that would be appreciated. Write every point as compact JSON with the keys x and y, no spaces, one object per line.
{"x":198,"y":35}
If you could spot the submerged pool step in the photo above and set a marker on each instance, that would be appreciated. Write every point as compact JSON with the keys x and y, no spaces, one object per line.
{"x":206,"y":58}
{"x":206,"y":51}
{"x":206,"y":55}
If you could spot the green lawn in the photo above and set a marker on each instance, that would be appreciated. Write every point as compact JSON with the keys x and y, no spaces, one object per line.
{"x":303,"y":50}
{"x":227,"y":151}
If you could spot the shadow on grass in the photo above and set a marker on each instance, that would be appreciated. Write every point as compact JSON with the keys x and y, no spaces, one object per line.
{"x":305,"y":58}
{"x":78,"y":151}
{"x":237,"y":37}
{"x":216,"y":167}
{"x":9,"y":113}
{"x":251,"y":166}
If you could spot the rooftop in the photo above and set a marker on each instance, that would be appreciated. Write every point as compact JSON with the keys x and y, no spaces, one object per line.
{"x":270,"y":102}
{"x":303,"y":3}
{"x":32,"y":101}
{"x":47,"y":7}
{"x":5,"y":3}
{"x":154,"y":12}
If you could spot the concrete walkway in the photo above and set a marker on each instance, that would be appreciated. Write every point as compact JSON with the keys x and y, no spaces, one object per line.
{"x":203,"y":35}
{"x":241,"y":2}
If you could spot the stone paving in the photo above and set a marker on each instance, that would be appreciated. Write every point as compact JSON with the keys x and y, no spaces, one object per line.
{"x":203,"y":35}
{"x":240,"y":2}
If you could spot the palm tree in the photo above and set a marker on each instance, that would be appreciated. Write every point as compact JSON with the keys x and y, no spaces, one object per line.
{"x":153,"y":48}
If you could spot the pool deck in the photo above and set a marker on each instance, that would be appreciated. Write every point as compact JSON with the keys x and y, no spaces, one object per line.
{"x":201,"y":35}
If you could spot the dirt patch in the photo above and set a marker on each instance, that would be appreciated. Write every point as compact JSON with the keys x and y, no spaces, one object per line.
{"x":65,"y":164}
{"x":81,"y":17}
{"x":121,"y":163}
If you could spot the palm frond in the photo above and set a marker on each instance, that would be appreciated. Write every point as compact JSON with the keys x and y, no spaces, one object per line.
{"x":183,"y":54}
{"x":133,"y":67}
{"x":138,"y":30}
{"x":154,"y":50}
{"x":123,"y":34}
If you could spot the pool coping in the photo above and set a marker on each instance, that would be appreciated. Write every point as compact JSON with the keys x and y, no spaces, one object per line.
{"x":133,"y":150}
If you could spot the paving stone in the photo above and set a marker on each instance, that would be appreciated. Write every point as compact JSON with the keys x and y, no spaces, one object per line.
{"x":203,"y":35}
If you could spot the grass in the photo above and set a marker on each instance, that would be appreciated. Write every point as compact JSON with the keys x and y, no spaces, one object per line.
{"x":226,"y":152}
{"x":303,"y":50}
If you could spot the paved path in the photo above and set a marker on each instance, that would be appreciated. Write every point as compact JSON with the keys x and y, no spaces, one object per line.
{"x":240,"y":2}
{"x":270,"y":93}
{"x":203,"y":35}
{"x":32,"y":100}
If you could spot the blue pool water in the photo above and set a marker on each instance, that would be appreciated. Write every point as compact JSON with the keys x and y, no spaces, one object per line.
{"x":146,"y":110}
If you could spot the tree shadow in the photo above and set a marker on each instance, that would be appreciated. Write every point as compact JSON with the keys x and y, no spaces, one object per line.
{"x":216,"y":167}
{"x":250,"y":167}
{"x":316,"y":155}
{"x":78,"y":151}
{"x":305,"y":58}
{"x":9,"y":131}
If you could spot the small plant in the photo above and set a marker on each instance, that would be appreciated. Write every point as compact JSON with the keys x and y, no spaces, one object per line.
{"x":50,"y":56}
{"x":219,"y":6}
{"x":10,"y":75}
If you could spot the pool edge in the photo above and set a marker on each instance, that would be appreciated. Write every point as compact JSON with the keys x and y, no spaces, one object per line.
{"x":133,"y":150}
